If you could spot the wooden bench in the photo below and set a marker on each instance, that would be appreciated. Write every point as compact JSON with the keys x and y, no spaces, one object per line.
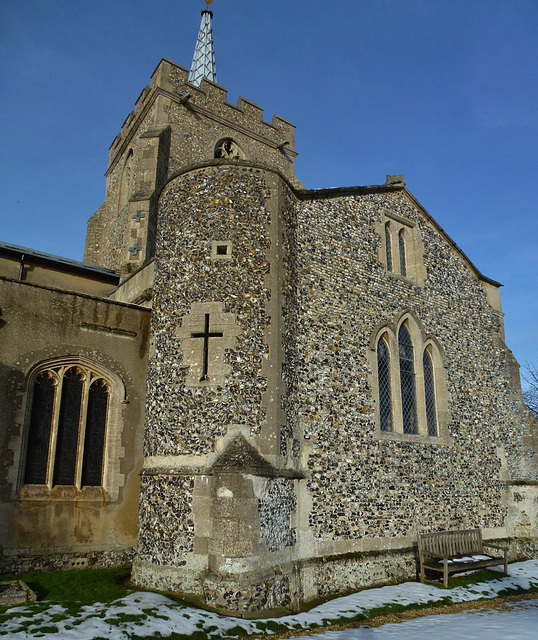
{"x":451,"y":551}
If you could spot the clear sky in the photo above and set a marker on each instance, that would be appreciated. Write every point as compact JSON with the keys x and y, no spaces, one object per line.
{"x":442,"y":91}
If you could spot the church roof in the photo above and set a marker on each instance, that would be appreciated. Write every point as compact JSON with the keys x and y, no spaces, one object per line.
{"x":203,"y":62}
{"x":57,"y":261}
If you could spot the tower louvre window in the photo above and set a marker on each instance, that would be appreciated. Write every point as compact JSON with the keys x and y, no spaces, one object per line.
{"x":67,"y":427}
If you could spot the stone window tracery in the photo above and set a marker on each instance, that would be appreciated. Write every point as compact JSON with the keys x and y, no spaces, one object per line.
{"x":401,"y":248}
{"x":228,"y":149}
{"x":410,"y":389}
{"x":71,"y":426}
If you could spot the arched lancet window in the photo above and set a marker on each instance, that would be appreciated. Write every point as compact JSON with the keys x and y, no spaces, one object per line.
{"x":126,"y":181}
{"x":40,"y":429}
{"x":388,"y":246}
{"x":67,"y":427}
{"x":94,"y":440}
{"x":429,"y":393}
{"x":401,"y":245}
{"x":407,"y":380}
{"x":384,"y":379}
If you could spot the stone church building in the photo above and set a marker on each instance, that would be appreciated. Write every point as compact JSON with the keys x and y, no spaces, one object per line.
{"x":254,"y":393}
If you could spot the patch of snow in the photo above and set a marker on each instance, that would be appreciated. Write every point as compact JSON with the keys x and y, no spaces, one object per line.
{"x":520,"y":623}
{"x":150,"y":614}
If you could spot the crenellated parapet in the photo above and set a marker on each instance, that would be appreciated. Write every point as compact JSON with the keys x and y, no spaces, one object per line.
{"x":175,"y":125}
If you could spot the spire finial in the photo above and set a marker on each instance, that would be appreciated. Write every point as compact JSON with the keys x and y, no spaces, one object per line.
{"x":203,"y":62}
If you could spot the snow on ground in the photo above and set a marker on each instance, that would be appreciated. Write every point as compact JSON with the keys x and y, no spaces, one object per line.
{"x":519,"y":623}
{"x":144,"y":614}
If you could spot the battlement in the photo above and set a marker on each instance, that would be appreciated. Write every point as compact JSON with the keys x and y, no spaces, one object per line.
{"x":172,"y":78}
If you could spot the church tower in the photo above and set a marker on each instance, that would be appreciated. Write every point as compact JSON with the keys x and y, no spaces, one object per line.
{"x":180,"y":120}
{"x":218,"y":495}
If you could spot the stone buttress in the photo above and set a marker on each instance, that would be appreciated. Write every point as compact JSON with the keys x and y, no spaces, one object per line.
{"x":218,"y":496}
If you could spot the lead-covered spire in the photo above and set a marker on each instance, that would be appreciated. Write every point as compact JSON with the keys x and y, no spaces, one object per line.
{"x":203,"y":62}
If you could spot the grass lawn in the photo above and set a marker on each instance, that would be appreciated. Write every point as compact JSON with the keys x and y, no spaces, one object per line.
{"x":83,"y":585}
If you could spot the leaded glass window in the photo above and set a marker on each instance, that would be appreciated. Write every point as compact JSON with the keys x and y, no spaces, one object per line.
{"x":39,"y":431}
{"x":385,"y":395}
{"x":67,"y":427}
{"x":429,"y":393}
{"x":403,"y":261}
{"x":94,"y":440}
{"x":388,"y":247}
{"x":407,"y":380}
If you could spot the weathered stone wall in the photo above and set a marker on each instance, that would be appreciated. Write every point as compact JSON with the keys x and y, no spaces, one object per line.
{"x":342,"y":296}
{"x":302,"y":290}
{"x":188,"y":420}
{"x":224,"y":429}
{"x":42,"y":526}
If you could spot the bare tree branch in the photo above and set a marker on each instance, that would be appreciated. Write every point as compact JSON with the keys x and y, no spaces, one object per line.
{"x":530,"y":393}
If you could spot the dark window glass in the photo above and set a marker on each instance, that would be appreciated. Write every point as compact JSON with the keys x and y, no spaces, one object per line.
{"x":388,"y":247}
{"x":385,"y":398}
{"x":39,"y":431}
{"x":429,"y":391}
{"x":403,"y":263}
{"x":407,"y":381}
{"x":94,"y":440}
{"x":68,"y":425}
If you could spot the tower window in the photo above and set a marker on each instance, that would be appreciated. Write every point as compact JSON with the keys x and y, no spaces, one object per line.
{"x":228,"y":149}
{"x":221,"y":250}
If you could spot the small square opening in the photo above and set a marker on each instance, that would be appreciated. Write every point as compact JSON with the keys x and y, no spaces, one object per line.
{"x":222,"y":249}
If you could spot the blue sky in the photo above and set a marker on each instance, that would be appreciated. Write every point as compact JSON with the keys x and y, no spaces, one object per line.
{"x":443,"y":92}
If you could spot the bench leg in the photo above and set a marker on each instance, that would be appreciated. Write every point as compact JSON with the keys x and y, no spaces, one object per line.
{"x":445,"y":573}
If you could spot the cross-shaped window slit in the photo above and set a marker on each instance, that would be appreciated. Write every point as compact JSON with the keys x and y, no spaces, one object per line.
{"x":206,"y":334}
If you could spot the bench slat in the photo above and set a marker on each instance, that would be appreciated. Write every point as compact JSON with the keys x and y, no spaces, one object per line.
{"x":451,"y":545}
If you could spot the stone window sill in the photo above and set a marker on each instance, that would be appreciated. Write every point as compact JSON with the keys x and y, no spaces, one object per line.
{"x":414,"y":438}
{"x":62,"y":493}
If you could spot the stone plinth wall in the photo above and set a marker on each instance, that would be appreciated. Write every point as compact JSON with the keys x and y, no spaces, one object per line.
{"x":31,"y":560}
